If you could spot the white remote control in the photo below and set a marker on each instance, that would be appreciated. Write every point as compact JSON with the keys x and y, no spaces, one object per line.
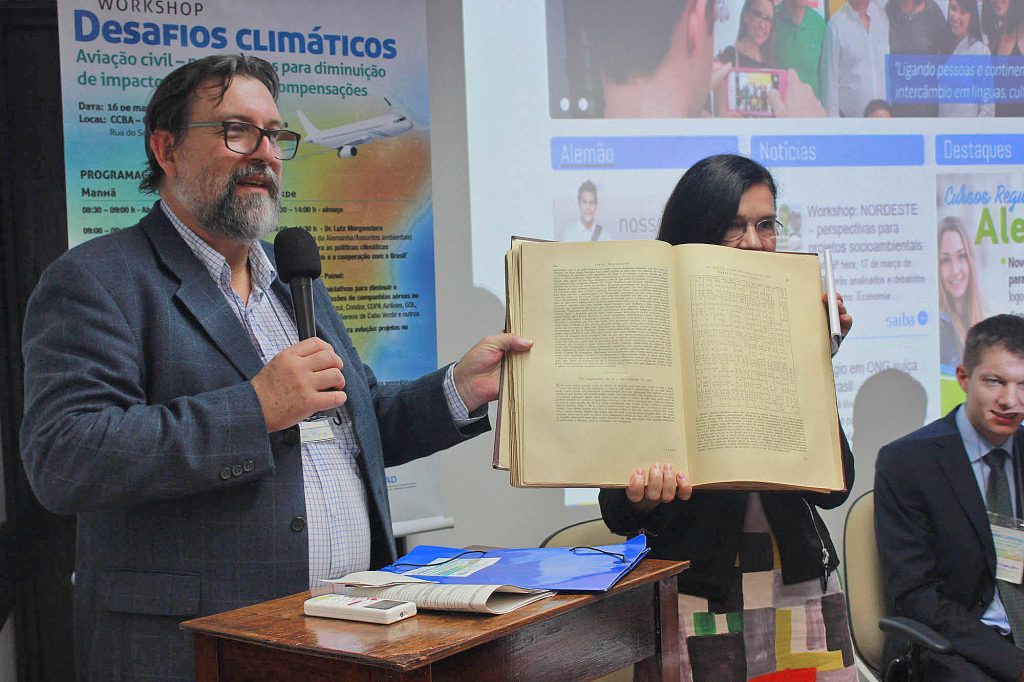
{"x":366,"y":609}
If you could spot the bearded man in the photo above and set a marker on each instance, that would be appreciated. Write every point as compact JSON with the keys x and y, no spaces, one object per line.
{"x":165,"y":385}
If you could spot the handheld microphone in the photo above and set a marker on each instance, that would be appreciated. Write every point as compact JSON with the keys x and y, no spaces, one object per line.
{"x":298,"y":263}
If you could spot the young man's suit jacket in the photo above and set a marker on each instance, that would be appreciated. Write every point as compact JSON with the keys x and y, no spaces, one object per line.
{"x":936,"y":549}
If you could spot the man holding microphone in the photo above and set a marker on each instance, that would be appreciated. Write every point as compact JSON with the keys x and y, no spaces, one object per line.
{"x":170,"y":404}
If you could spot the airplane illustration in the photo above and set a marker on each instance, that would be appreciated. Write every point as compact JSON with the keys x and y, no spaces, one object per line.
{"x":346,"y":138}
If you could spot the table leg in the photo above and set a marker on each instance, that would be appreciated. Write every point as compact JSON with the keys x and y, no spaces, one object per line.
{"x":663,"y":666}
{"x":207,"y":663}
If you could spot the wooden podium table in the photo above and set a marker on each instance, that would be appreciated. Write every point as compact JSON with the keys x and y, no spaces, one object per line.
{"x":565,"y":637}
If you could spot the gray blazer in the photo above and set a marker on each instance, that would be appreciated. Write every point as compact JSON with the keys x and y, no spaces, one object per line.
{"x":140,"y":419}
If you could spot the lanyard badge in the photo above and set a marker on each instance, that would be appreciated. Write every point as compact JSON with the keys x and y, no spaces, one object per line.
{"x":1009,"y":541}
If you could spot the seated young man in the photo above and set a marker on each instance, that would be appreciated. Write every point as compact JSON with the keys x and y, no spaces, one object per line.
{"x":934,"y":490}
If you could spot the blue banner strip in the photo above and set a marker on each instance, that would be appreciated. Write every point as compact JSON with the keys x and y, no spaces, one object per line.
{"x":974,"y":150}
{"x":837,"y":150}
{"x":630,"y":153}
{"x":954,"y":79}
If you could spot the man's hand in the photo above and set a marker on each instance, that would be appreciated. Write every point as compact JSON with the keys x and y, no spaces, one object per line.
{"x":476,"y":375}
{"x":719,"y":70}
{"x":301,"y":380}
{"x":662,"y":484}
{"x":845,"y":318}
{"x":799,"y":102}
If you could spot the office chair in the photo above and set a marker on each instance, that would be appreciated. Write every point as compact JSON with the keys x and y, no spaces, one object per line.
{"x":591,"y":533}
{"x":865,"y":595}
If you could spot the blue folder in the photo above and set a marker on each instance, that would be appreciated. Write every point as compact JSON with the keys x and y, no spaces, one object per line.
{"x":579,"y":569}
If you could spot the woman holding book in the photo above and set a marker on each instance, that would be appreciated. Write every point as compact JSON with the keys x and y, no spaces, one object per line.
{"x":761,"y":594}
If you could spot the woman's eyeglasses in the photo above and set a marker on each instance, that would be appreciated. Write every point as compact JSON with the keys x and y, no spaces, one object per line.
{"x":767,"y":230}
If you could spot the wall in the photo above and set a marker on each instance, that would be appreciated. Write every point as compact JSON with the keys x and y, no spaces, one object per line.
{"x":487,"y":510}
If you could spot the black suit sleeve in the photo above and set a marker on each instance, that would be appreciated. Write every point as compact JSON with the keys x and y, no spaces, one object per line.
{"x":925,"y":578}
{"x":621,"y":519}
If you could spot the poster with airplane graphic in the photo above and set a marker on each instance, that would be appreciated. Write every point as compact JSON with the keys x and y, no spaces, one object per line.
{"x":353,"y":85}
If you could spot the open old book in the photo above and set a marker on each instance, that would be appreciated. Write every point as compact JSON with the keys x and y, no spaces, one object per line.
{"x":494,"y":599}
{"x":714,"y":359}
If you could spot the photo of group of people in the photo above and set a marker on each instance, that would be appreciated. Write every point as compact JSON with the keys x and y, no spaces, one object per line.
{"x":748,"y":90}
{"x":838,"y":58}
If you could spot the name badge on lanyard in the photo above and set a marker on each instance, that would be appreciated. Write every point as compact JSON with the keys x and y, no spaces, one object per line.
{"x":1009,"y":541}
{"x":1008,"y":534}
{"x":316,"y":429}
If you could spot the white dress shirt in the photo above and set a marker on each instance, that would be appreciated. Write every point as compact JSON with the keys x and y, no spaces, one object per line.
{"x":337,"y":516}
{"x":969,"y":109}
{"x":853,"y":61}
{"x":578,"y":232}
{"x":977,"y":447}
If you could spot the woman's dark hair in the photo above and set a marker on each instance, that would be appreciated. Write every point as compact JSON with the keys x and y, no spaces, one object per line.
{"x":768,"y":49}
{"x":705,"y":201}
{"x":171,"y":104}
{"x":994,"y":26}
{"x":974,"y":27}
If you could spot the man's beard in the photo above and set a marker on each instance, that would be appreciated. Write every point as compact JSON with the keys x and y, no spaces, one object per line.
{"x":241,"y":219}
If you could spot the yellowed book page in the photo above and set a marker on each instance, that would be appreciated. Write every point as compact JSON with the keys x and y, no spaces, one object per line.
{"x":599,"y":391}
{"x":759,"y":389}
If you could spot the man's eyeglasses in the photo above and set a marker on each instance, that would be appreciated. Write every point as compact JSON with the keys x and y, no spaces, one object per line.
{"x":245,"y":138}
{"x":767,"y":229}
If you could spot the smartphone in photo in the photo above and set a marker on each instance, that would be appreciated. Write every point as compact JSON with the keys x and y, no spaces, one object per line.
{"x":749,"y":88}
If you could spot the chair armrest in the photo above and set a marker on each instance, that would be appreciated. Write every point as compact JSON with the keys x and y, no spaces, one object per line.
{"x":916,"y":633}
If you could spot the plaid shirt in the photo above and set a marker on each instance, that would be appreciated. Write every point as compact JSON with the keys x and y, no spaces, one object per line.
{"x":336,"y":505}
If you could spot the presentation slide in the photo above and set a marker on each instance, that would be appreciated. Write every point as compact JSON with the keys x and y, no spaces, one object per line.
{"x":894,"y":134}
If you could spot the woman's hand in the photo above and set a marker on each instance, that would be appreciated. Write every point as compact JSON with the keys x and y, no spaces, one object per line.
{"x":845,"y":318}
{"x":646,"y":490}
